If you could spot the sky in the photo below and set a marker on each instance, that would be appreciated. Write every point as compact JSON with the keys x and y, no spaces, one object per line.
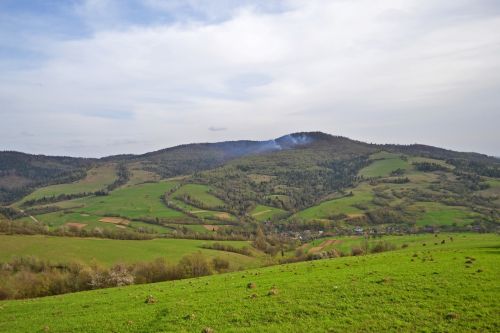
{"x":100,"y":77}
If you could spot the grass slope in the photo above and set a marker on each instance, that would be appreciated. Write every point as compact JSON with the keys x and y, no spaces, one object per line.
{"x":436,"y":290}
{"x":263,"y":213}
{"x":108,"y":252}
{"x":383,"y":164}
{"x":200,"y":193}
{"x":345,"y":205}
{"x":96,"y":179}
{"x":143,"y":200}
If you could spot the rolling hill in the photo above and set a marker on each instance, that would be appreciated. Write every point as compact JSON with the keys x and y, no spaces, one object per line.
{"x":301,"y":181}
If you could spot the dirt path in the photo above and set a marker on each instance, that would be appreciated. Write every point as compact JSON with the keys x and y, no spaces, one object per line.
{"x":323,"y":245}
{"x":263,"y":212}
{"x":30,"y":216}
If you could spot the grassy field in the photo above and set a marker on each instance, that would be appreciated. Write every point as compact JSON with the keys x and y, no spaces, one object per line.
{"x":108,"y":252}
{"x":96,"y":179}
{"x":204,"y":213}
{"x":383,"y":164}
{"x":200,"y":193}
{"x":346,"y":243}
{"x":137,"y":201}
{"x":438,"y":214}
{"x":362,"y":195}
{"x":437,"y":288}
{"x":264,"y":213}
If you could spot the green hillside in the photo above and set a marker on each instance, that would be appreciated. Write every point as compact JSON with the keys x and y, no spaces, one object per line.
{"x":448,"y":287}
{"x":109,"y":252}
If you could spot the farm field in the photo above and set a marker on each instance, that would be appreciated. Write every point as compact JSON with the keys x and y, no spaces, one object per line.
{"x":108,"y":252}
{"x":203,"y":213}
{"x":199,"y":193}
{"x":439,"y":214}
{"x":96,"y":179}
{"x":264,"y":213}
{"x":448,"y":287}
{"x":344,"y":244}
{"x":361,"y":195}
{"x":384,"y":163}
{"x":137,"y":201}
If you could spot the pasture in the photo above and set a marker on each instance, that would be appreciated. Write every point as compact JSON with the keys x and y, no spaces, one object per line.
{"x":199,"y":193}
{"x":263,"y":213}
{"x":383,"y":164}
{"x":109,"y":252}
{"x":97,"y":178}
{"x":346,"y":205}
{"x":139,"y":201}
{"x":451,"y":287}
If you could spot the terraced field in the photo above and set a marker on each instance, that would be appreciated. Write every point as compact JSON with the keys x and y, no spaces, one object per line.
{"x":451,"y":287}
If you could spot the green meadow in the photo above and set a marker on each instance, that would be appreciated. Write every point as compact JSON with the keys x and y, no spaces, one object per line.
{"x":346,"y":205}
{"x":451,"y":287}
{"x":439,"y":214}
{"x":109,"y":251}
{"x":96,"y":179}
{"x":137,"y":201}
{"x":383,"y":164}
{"x":200,"y":193}
{"x":264,"y":213}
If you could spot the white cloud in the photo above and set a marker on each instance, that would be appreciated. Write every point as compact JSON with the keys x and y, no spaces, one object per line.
{"x":367,"y":69}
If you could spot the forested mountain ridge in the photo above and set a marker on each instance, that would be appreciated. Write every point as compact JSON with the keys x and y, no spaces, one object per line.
{"x":293,"y":154}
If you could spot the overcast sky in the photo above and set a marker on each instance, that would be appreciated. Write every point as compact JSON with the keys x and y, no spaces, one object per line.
{"x":100,"y":77}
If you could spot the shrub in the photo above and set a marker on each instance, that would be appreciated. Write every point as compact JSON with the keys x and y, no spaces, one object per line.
{"x":194,"y":265}
{"x":356,"y":251}
{"x":383,"y":246}
{"x":220,"y":264}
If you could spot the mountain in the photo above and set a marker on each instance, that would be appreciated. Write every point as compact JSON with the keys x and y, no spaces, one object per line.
{"x":22,"y":173}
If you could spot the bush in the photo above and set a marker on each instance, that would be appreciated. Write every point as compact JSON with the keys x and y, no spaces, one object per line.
{"x":356,"y":251}
{"x":194,"y":265}
{"x":220,"y":264}
{"x":383,"y":246}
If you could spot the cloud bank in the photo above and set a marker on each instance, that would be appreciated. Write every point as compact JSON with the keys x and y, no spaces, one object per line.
{"x":376,"y":70}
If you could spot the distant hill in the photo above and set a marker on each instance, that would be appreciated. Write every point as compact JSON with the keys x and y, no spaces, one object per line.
{"x":22,"y":173}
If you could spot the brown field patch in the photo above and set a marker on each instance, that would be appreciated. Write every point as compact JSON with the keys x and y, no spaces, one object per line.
{"x":211,"y":227}
{"x":223,"y":216}
{"x":84,"y":214}
{"x":120,"y":226}
{"x":115,"y":220}
{"x":77,"y":225}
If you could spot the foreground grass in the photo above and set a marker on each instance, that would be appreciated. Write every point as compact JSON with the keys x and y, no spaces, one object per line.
{"x":109,"y":252}
{"x":435,"y":291}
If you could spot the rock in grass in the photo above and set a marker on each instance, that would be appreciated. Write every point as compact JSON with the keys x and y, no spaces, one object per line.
{"x":150,"y":300}
{"x":272,"y":292}
{"x":251,"y":285}
{"x":451,"y":316}
{"x":207,"y":330}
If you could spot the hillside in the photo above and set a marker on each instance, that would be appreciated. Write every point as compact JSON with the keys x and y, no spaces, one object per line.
{"x":302,"y":182}
{"x":448,"y":287}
